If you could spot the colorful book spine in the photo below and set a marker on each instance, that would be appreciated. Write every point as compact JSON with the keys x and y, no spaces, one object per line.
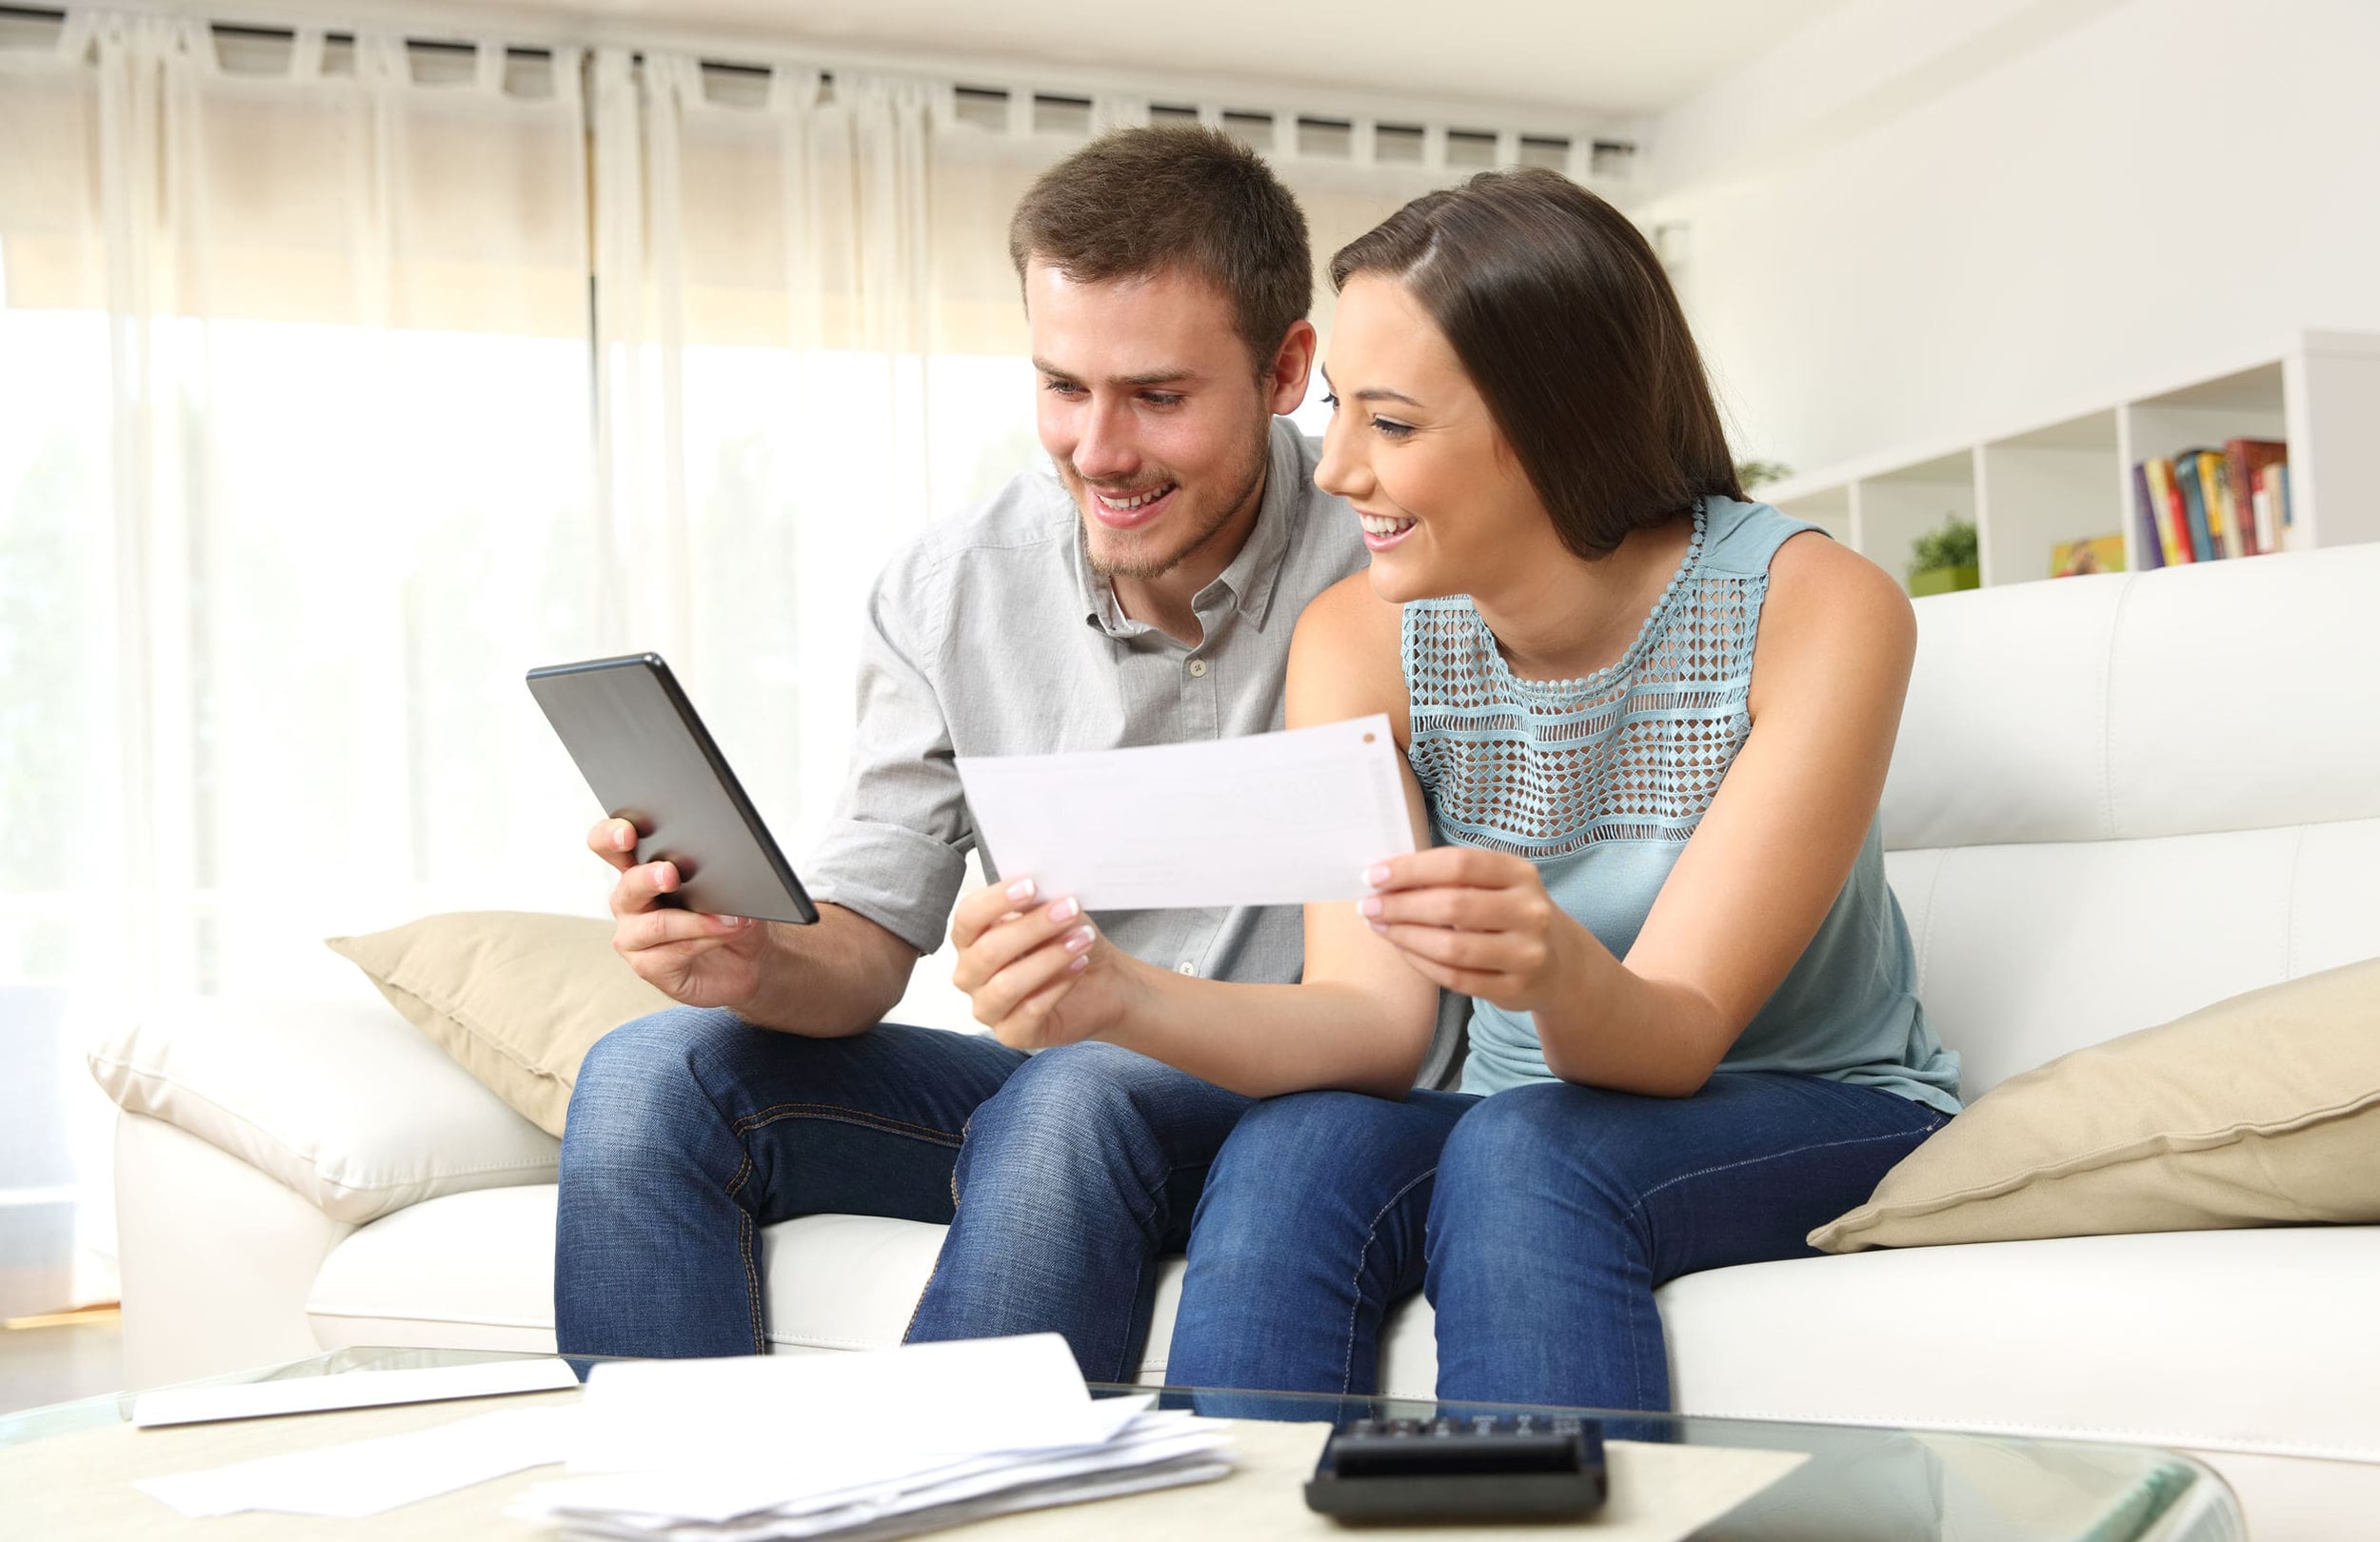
{"x":2202,"y":546}
{"x":2172,"y":525}
{"x":2221,"y":527}
{"x":2151,"y":538}
{"x":2272,"y":502}
{"x":2243,"y":461}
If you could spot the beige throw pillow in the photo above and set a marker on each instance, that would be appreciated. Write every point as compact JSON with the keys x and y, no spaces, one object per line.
{"x":2262,"y":1109}
{"x":517,"y":999}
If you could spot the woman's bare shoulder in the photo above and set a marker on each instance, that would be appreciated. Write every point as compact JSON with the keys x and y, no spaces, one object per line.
{"x":1346,"y":659}
{"x":1350,"y":614}
{"x":1830,"y":610}
{"x":1818,"y":581}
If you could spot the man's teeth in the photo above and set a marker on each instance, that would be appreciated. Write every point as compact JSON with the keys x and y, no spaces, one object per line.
{"x":1374,"y":524}
{"x":1150,"y":496}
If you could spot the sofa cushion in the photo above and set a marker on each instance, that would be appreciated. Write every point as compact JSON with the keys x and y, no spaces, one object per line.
{"x":475,"y":1270}
{"x":2260,"y":1340}
{"x":517,"y":998}
{"x":2253,"y":1341}
{"x":335,"y":1097}
{"x":2259,"y":1110}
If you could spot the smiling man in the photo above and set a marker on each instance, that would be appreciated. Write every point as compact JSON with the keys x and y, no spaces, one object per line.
{"x":1145,"y":596}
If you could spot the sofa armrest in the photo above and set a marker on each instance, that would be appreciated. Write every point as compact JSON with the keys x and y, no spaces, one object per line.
{"x":336,"y":1096}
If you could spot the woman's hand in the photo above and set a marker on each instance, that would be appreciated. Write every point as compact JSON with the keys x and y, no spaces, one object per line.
{"x":1039,"y":973}
{"x":1477,"y":921}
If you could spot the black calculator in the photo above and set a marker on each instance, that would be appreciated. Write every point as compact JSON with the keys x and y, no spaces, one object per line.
{"x":1515,"y":1466}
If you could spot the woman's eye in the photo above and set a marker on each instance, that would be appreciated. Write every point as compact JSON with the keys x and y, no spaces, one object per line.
{"x":1330,"y":400}
{"x":1391,"y":428}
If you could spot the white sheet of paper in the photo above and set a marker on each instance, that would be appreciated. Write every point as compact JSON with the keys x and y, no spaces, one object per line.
{"x":1266,"y":819}
{"x":363,"y":1477}
{"x":359,"y":1389}
{"x":842,"y":1413}
{"x":793,"y":1484}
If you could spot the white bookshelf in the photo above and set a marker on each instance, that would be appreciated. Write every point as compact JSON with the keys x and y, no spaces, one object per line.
{"x":2069,"y":477}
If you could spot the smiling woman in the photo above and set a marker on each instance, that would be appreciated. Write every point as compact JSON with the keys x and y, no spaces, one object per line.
{"x":1695,"y":1032}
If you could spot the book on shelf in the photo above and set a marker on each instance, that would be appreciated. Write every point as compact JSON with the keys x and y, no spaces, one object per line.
{"x":2153,"y":539}
{"x":2172,"y":525}
{"x":2202,"y":506}
{"x":2203,"y":547}
{"x":2272,"y":504}
{"x":2243,"y":460}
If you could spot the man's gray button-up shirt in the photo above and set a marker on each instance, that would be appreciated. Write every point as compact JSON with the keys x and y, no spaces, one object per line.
{"x":992,"y":636}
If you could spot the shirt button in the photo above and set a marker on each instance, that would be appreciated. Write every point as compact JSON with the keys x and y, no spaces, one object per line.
{"x":1197,"y":668}
{"x":1186,"y":967}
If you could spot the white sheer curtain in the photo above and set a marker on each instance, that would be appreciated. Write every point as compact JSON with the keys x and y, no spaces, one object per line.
{"x":340,"y":382}
{"x":294,"y":481}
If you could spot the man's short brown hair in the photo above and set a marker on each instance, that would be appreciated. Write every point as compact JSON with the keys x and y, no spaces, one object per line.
{"x":1139,"y":202}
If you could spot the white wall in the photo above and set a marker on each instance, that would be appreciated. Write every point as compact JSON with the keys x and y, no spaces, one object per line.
{"x":1915,"y":222}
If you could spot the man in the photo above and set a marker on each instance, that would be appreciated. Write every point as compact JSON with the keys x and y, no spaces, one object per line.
{"x":1166,"y":281}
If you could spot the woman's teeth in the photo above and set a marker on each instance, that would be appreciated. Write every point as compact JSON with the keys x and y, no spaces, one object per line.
{"x":1126,"y":505}
{"x":1374,"y":524}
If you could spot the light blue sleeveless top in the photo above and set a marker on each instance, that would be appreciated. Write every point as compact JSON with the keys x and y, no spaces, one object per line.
{"x":1599,"y":781}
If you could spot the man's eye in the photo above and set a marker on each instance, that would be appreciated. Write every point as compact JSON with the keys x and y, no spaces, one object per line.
{"x":1063,"y":387}
{"x":1162,"y":399}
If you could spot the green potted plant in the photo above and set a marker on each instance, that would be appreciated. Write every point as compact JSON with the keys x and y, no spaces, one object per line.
{"x":1944,"y":560}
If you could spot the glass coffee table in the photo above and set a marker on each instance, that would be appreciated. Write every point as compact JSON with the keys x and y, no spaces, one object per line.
{"x":1857,"y":1484}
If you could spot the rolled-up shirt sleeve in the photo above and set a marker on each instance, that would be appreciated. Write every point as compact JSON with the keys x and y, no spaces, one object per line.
{"x":896,"y":849}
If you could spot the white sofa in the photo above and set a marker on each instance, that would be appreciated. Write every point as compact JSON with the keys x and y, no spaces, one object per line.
{"x":2114,"y":799}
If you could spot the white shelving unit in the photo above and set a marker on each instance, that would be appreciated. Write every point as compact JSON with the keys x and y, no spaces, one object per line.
{"x":2070,"y":476}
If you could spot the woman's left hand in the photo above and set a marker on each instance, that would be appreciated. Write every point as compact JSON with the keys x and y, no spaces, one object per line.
{"x":1476,"y":921}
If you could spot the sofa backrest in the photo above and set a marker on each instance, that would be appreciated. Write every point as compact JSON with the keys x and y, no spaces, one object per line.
{"x":2117,"y":799}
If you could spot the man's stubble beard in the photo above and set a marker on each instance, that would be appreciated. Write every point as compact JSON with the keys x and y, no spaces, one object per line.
{"x":1252,"y":487}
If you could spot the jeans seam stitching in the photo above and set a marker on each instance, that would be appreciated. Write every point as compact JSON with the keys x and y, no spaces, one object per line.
{"x":1371,"y":1233}
{"x":744,"y":1246}
{"x":1767,"y":1156}
{"x":847,"y":1115}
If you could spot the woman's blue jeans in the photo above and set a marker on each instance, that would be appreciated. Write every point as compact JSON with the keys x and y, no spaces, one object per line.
{"x":1538,"y":1221}
{"x":1062,"y":1175}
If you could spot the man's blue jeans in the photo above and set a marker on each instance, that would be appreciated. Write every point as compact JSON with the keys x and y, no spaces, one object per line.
{"x":1538,"y":1222}
{"x":1062,"y":1177}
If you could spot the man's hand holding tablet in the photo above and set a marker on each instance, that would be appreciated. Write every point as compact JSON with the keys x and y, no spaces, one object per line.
{"x":700,"y":876}
{"x":691,"y":956}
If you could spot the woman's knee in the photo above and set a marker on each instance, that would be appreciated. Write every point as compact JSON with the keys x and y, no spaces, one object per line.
{"x":1531,"y":1147}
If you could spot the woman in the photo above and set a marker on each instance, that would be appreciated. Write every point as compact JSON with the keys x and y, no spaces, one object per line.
{"x":1651,"y":722}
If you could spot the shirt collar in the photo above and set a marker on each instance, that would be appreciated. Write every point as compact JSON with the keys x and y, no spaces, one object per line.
{"x":1249,"y":580}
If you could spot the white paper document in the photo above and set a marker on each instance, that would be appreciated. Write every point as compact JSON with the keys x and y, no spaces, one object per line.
{"x":359,"y":1389}
{"x":873,"y":1445}
{"x":1266,"y":819}
{"x":364,"y":1477}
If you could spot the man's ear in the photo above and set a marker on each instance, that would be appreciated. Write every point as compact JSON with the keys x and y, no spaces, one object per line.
{"x":1293,"y":362}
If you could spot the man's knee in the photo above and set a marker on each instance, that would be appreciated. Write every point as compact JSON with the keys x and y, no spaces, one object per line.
{"x":1088,"y":1091}
{"x":646,"y":1078}
{"x":1297,"y":1133}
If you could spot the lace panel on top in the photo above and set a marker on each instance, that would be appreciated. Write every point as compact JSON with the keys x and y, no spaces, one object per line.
{"x":1542,"y":770}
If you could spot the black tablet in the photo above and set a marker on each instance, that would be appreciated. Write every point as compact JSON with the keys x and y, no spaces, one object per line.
{"x":651,"y":762}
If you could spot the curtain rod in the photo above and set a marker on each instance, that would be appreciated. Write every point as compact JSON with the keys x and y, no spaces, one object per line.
{"x":1464,"y":122}
{"x":428,"y":45}
{"x":1600,"y":144}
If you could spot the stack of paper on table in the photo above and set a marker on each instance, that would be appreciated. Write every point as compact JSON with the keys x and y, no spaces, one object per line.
{"x":856,"y":1445}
